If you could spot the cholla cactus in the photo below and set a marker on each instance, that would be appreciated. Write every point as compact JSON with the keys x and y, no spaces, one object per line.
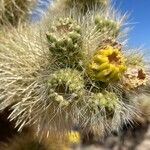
{"x":70,"y":74}
{"x":14,"y":11}
{"x":108,"y":27}
{"x":88,"y":3}
{"x":144,"y":104}
{"x":66,"y":81}
{"x":65,"y":42}
{"x":82,"y":5}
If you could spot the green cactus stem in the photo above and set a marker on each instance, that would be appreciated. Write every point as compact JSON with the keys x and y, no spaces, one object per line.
{"x":108,"y":27}
{"x":65,"y":85}
{"x":65,"y":42}
{"x":107,"y":100}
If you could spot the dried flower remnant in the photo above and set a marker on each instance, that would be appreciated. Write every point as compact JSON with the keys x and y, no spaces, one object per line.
{"x":134,"y":77}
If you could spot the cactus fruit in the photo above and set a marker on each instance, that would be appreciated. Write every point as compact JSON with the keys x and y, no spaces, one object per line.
{"x":107,"y":64}
{"x":65,"y":86}
{"x":65,"y":42}
{"x":106,"y":26}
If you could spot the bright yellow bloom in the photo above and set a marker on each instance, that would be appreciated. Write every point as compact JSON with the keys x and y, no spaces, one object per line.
{"x":73,"y":137}
{"x":107,"y":64}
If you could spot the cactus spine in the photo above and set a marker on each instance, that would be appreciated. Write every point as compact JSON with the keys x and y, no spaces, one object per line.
{"x":14,"y":11}
{"x":65,"y":42}
{"x":61,"y":76}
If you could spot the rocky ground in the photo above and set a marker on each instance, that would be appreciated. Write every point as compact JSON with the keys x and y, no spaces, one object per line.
{"x":137,"y":138}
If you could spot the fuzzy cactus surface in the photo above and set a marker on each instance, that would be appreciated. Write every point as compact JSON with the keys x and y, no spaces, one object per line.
{"x":82,"y":5}
{"x":72,"y":69}
{"x":13,"y":12}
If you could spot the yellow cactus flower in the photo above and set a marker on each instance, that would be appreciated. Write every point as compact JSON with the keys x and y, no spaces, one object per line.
{"x":73,"y":137}
{"x":107,"y":64}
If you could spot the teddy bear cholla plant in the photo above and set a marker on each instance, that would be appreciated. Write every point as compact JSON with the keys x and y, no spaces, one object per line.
{"x":81,"y":5}
{"x":14,"y":11}
{"x":71,"y":74}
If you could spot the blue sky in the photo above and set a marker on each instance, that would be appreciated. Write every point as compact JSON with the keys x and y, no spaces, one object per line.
{"x":139,"y":20}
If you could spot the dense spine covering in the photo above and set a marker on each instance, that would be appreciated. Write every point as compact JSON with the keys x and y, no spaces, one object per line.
{"x":106,"y":26}
{"x":65,"y":42}
{"x":83,"y":5}
{"x":74,"y":72}
{"x":12,"y":12}
{"x":66,"y":81}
